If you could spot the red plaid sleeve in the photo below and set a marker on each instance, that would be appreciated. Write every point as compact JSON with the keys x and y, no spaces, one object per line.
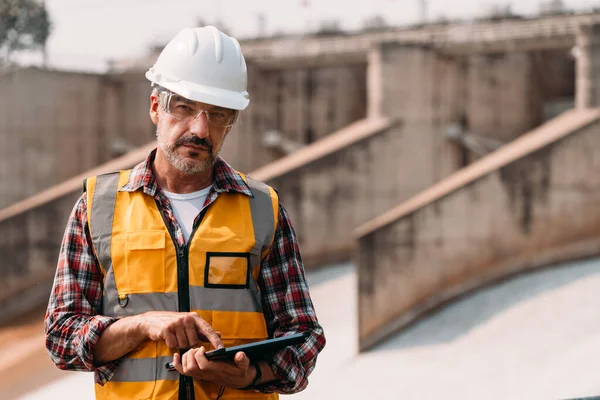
{"x":72,"y":323}
{"x":289,"y":310}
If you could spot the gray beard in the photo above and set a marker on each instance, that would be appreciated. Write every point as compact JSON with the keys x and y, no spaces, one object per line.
{"x":188,"y":167}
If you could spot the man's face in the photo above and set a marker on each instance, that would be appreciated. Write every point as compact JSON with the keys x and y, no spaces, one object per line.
{"x":187,"y":140}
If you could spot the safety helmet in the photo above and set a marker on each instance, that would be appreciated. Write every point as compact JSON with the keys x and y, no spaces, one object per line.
{"x":205,"y":65}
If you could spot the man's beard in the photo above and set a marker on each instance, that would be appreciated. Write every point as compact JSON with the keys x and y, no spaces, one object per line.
{"x":185,"y":165}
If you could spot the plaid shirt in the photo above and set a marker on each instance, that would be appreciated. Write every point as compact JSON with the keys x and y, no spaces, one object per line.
{"x":73,"y":323}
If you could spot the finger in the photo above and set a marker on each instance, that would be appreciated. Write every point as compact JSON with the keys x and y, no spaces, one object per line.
{"x":190,"y":332}
{"x":200,"y":358}
{"x":208,"y":332}
{"x":170,"y":339}
{"x":241,"y":360}
{"x":177,"y":363}
{"x":189,"y":362}
{"x":182,"y":341}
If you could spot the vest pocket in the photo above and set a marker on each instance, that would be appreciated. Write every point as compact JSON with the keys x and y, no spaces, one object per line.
{"x":144,"y":263}
{"x":227,"y":270}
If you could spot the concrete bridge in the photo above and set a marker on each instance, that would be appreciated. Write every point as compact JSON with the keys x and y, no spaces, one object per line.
{"x":502,"y":36}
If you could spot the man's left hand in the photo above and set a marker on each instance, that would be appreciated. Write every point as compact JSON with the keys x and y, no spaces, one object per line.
{"x":236,"y":374}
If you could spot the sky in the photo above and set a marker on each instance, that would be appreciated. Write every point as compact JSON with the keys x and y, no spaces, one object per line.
{"x":88,"y":33}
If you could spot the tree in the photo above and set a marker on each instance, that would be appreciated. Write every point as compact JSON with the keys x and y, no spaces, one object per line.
{"x":24,"y":25}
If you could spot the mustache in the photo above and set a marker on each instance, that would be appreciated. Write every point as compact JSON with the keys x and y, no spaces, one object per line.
{"x":195,"y":140}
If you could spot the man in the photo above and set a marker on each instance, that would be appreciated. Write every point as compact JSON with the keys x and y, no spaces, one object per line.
{"x":183,"y":252}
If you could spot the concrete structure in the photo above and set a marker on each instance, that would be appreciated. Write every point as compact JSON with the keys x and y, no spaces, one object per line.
{"x":588,"y":65}
{"x":497,"y":79}
{"x":531,"y":204}
{"x":304,"y":105}
{"x":411,"y":94}
{"x":56,"y":125}
{"x":501,"y":36}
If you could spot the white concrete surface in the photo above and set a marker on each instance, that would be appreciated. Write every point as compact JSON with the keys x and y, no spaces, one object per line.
{"x":533,"y":337}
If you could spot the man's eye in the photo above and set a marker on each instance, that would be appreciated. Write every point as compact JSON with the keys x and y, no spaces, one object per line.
{"x":182,"y":107}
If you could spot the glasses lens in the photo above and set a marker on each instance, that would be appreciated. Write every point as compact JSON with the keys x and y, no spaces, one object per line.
{"x":182,"y":108}
{"x":221,"y":117}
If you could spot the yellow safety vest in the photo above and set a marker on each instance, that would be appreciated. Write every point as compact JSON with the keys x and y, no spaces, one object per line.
{"x":215,"y":275}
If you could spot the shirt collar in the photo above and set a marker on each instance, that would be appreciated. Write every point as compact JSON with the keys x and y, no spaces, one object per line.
{"x":226,"y":179}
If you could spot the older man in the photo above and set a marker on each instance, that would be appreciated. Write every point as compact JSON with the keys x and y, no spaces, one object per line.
{"x":183,"y":252}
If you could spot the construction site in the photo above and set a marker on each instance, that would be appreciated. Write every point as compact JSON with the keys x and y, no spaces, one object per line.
{"x":443,"y":183}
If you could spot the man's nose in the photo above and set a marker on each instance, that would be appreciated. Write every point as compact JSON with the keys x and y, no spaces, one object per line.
{"x":199,"y":125}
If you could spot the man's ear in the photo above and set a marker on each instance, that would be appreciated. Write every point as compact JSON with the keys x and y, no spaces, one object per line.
{"x":154,"y":104}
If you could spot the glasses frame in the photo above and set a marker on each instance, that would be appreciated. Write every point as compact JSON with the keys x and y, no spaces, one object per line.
{"x":165,"y":99}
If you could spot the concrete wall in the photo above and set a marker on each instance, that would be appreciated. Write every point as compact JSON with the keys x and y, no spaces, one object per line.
{"x":509,"y":94}
{"x":501,"y":97}
{"x":326,"y":199}
{"x":494,"y":96}
{"x":303,"y":104}
{"x":54,"y":125}
{"x":29,"y":245}
{"x":536,"y":211}
{"x":425,"y":91}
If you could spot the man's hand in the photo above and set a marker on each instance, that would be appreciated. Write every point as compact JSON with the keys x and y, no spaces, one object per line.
{"x":179,"y":330}
{"x":236,"y":374}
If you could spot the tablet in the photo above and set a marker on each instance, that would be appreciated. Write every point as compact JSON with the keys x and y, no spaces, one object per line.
{"x":257,"y":349}
{"x":254,"y":350}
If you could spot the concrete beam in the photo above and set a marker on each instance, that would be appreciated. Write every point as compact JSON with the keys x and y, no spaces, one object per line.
{"x":555,"y":32}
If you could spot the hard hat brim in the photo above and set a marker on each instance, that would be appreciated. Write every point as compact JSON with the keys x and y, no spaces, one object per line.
{"x":204,"y":94}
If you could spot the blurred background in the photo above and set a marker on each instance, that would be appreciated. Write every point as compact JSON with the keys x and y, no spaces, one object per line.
{"x":438,"y":160}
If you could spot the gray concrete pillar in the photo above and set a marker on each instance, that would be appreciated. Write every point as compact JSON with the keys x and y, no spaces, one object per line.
{"x":374,"y":83}
{"x":587,"y":77}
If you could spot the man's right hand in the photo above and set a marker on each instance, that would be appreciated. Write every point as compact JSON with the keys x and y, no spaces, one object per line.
{"x":181,"y":330}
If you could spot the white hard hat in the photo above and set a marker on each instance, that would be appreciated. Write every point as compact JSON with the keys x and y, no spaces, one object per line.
{"x":205,"y":65}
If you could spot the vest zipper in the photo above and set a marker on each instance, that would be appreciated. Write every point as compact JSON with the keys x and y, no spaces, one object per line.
{"x":186,"y":383}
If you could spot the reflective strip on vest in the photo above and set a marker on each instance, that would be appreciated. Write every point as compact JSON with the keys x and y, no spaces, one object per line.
{"x":101,"y":216}
{"x":201,"y":298}
{"x":136,"y":370}
{"x":262,"y":216}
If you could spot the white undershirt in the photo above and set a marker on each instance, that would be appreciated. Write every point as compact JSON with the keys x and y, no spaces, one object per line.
{"x":186,"y":207}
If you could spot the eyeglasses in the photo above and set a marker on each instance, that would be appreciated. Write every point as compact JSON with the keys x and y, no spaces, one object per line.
{"x":181,"y":108}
